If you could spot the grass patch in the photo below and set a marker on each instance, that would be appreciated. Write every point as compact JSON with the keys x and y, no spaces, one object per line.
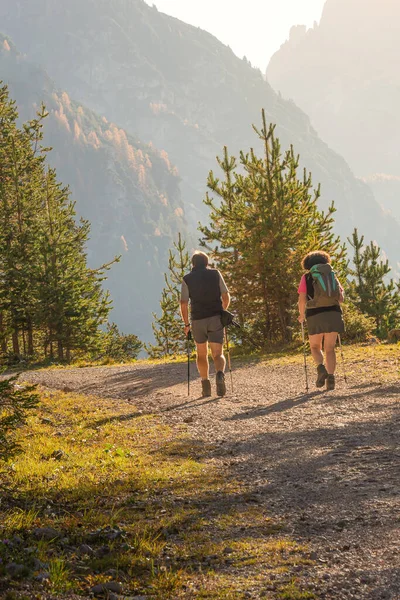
{"x":59,"y":575}
{"x":131,"y":501}
{"x":292,"y":592}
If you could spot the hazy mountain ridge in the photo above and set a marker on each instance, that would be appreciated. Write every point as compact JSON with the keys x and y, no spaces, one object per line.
{"x":387,"y":191}
{"x":344,"y":73}
{"x":179,"y":87}
{"x":128,"y":190}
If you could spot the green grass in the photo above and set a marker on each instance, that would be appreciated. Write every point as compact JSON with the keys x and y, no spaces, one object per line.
{"x":182,"y":529}
{"x":292,"y":592}
{"x":60,"y":575}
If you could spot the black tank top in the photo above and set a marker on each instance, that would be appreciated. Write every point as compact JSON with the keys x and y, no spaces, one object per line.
{"x":204,"y":293}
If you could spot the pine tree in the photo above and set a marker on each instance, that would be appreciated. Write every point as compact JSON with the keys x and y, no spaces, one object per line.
{"x":120,"y":346}
{"x":15,"y":402}
{"x":167,"y":328}
{"x":371,"y":290}
{"x":21,"y":164}
{"x":73,"y":304}
{"x":48,"y":295}
{"x":230,"y":211}
{"x":265,"y":220}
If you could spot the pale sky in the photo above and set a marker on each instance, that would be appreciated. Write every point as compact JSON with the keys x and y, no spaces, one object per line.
{"x":252,"y":28}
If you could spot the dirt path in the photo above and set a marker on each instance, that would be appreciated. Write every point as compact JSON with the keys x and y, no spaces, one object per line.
{"x":326,"y":464}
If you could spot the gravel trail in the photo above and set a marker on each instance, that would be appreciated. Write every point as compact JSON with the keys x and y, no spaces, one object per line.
{"x":326,"y":464}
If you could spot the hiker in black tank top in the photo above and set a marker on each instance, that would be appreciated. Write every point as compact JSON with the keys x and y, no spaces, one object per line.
{"x":208,"y":295}
{"x":320,"y":299}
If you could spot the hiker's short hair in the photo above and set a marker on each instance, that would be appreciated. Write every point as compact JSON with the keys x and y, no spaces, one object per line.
{"x":315,"y":258}
{"x":199,"y":259}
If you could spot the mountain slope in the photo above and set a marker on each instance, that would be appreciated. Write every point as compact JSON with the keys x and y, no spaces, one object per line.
{"x":128,"y":190}
{"x":180,"y":88}
{"x":344,"y":73}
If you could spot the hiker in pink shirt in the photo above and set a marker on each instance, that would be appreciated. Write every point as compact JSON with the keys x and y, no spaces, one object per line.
{"x":320,"y":299}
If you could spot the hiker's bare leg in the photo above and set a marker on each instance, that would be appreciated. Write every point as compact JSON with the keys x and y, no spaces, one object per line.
{"x":202,"y":360}
{"x":316,"y":348}
{"x":217,"y":352}
{"x":330,"y":354}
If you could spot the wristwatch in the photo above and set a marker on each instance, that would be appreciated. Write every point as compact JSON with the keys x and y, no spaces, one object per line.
{"x":187,"y":324}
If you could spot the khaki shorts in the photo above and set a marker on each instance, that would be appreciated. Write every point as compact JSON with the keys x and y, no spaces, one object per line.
{"x":208,"y":330}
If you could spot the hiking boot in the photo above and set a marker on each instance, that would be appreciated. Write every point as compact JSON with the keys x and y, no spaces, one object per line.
{"x":220,"y":380}
{"x":206,"y":387}
{"x":322,"y":375}
{"x":330,"y":382}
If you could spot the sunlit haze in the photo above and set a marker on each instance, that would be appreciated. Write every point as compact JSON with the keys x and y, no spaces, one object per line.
{"x":254,"y":29}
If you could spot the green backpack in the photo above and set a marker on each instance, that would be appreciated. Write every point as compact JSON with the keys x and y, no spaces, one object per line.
{"x":326,"y":287}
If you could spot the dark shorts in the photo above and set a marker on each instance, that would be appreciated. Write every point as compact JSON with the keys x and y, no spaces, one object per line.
{"x":208,"y":330}
{"x":325,"y":322}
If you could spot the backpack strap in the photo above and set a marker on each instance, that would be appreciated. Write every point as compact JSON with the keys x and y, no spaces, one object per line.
{"x":310,"y":286}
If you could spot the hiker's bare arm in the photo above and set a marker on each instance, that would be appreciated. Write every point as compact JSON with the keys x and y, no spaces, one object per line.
{"x":226,"y":300}
{"x":184,"y":305}
{"x":225,"y":296}
{"x":341,"y":299}
{"x":185,"y":311}
{"x":302,"y":306}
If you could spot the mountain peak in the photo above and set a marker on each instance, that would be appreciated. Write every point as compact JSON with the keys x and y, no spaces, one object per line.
{"x":345,"y":75}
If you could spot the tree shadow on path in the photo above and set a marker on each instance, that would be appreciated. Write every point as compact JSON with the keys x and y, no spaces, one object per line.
{"x":280,"y":406}
{"x":297,"y":401}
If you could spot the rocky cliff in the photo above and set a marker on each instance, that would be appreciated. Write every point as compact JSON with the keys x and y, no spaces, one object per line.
{"x":344,"y":74}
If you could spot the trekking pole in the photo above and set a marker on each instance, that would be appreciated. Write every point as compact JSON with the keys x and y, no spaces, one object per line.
{"x":189,"y":337}
{"x":342,"y":354}
{"x":229,"y":357}
{"x":305,"y":356}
